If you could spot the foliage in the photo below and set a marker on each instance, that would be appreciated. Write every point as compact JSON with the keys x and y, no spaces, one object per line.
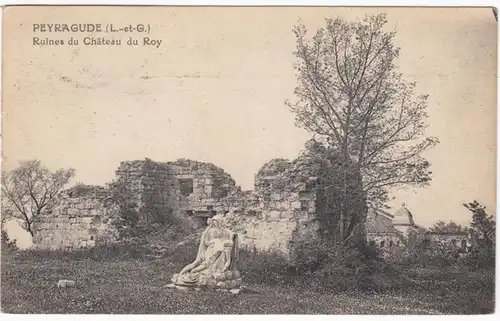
{"x":319,"y":257}
{"x":483,"y":225}
{"x":414,"y":238}
{"x":274,"y":167}
{"x":7,"y":243}
{"x":424,"y":256}
{"x":340,"y":205}
{"x":350,"y":92}
{"x":29,"y":189}
{"x":448,"y":227}
{"x":319,"y":170}
{"x":482,"y":231}
{"x":480,"y":258}
{"x":122,"y":207}
{"x":81,"y":189}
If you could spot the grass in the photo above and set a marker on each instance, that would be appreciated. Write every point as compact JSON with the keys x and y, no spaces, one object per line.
{"x":114,"y":284}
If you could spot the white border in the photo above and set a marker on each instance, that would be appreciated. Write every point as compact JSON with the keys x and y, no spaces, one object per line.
{"x":441,"y":3}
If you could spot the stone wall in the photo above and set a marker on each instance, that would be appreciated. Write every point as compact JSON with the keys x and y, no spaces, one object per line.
{"x":270,"y":226}
{"x":153,"y":188}
{"x":448,"y":240}
{"x":156,"y":191}
{"x":78,"y":219}
{"x":184,"y":190}
{"x":281,"y":210}
{"x":200,"y":188}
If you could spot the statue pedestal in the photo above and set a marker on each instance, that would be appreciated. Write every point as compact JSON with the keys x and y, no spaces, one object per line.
{"x":196,"y":288}
{"x":220,"y":280}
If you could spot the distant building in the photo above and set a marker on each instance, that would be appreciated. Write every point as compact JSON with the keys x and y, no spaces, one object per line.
{"x":380,"y":230}
{"x":449,"y":239}
{"x":403,"y":220}
{"x":385,"y":230}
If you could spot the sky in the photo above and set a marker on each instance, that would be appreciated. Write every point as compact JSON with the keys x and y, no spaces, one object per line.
{"x":214,"y":91}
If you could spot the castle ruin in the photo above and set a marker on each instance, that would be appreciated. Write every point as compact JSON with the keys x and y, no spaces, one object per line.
{"x":268,"y":217}
{"x":282,"y":208}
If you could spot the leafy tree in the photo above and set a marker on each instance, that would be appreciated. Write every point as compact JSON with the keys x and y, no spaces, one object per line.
{"x":483,"y":226}
{"x":349,"y":92}
{"x":448,"y":227}
{"x":28,"y":189}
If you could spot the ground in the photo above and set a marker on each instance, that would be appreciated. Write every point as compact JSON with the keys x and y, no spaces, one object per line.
{"x":137,"y":286}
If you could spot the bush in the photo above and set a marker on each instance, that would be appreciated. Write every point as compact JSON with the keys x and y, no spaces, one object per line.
{"x":480,"y":258}
{"x":422,"y":256}
{"x":332,"y":266}
{"x":6,"y":243}
{"x":266,"y":267}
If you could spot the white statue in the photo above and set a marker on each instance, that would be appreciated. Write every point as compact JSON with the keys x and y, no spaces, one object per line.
{"x":215,"y":263}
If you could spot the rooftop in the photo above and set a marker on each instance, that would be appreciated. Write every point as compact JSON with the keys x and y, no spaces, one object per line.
{"x":403,"y":217}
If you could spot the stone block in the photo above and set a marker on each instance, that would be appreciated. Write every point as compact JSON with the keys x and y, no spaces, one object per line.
{"x":275,"y":196}
{"x":274,"y":215}
{"x":86,"y":220}
{"x":284,"y":205}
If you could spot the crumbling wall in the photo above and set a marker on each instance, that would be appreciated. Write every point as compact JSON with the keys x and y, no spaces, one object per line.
{"x":151,"y":186}
{"x":78,"y":219}
{"x":155,"y":192}
{"x":209,"y":183}
{"x":174,"y":192}
{"x":280,"y":211}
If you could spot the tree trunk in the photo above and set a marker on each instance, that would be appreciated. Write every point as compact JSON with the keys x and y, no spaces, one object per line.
{"x":343,"y":207}
{"x":30,"y":231}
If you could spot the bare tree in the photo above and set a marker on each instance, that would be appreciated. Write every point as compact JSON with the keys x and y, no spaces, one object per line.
{"x":349,"y":91}
{"x":28,"y":189}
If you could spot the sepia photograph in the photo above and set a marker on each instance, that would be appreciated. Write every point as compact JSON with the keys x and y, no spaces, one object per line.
{"x":248,"y":160}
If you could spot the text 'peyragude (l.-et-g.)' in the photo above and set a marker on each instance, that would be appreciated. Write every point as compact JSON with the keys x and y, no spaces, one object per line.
{"x":92,"y":39}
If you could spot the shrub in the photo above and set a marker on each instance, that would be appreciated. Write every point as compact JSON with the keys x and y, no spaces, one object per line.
{"x":343,"y":267}
{"x":480,"y":258}
{"x":265,"y":267}
{"x":7,"y":243}
{"x":423,"y":256}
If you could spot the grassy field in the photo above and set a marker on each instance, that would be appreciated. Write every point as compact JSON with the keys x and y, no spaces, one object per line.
{"x":137,"y":285}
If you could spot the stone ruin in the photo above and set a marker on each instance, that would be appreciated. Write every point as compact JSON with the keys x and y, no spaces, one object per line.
{"x":280,"y":209}
{"x":77,"y":220}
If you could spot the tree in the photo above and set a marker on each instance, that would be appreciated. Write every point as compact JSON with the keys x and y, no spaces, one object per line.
{"x":28,"y":189}
{"x":350,"y":93}
{"x":448,"y":227}
{"x":4,"y":237}
{"x":483,"y":226}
